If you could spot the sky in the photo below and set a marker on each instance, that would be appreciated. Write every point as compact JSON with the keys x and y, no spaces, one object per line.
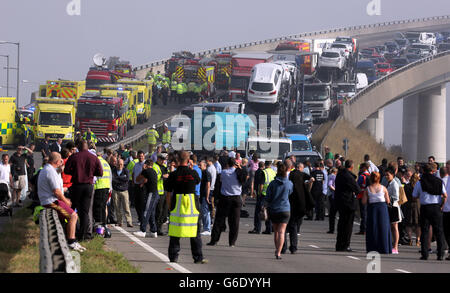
{"x":56,"y":45}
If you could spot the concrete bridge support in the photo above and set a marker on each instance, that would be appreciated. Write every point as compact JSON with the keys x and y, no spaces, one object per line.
{"x":410,"y":127}
{"x":432,"y":124}
{"x":374,"y":124}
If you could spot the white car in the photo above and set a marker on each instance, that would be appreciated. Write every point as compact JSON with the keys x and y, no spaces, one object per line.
{"x":347,"y":48}
{"x":425,"y":49}
{"x":334,"y":58}
{"x":265,"y":83}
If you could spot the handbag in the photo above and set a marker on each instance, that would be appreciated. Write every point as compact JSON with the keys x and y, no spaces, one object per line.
{"x":402,"y":196}
{"x":393,"y":213}
{"x":263,"y":214}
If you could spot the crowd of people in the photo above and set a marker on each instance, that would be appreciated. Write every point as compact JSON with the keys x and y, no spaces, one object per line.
{"x":176,"y":89}
{"x":203,"y":196}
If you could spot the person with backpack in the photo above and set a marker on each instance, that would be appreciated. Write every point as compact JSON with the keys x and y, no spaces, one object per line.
{"x":363,"y":182}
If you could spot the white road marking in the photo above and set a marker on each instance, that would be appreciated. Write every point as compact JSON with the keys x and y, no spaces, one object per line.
{"x":353,"y":257}
{"x":402,"y":271}
{"x":150,"y":249}
{"x":313,"y":246}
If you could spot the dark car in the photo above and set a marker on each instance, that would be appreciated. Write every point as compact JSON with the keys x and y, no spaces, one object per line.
{"x":304,"y":129}
{"x":443,"y":47}
{"x":389,"y":57}
{"x":412,"y":57}
{"x":399,"y":63}
{"x":367,"y":67}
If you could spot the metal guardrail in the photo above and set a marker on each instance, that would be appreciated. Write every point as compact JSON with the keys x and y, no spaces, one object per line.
{"x":139,"y":136}
{"x":378,"y":82}
{"x":55,"y":256}
{"x":308,"y":34}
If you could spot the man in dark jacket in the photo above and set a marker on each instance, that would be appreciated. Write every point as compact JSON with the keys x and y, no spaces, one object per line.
{"x":345,"y":197}
{"x":120,"y":178}
{"x":300,"y":200}
{"x":258,"y":181}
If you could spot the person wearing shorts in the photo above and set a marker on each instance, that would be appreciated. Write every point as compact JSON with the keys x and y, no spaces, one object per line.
{"x":51,"y":196}
{"x":278,"y":206}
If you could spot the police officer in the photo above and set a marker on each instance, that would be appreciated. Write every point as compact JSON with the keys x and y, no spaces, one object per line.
{"x":155,"y":92}
{"x":191,"y":90}
{"x":102,"y":187}
{"x":165,"y":92}
{"x":173,"y":90}
{"x":152,"y":136}
{"x":184,"y":209}
{"x":166,"y":136}
{"x":90,"y":136}
{"x":198,"y":92}
{"x":130,"y":167}
{"x":269,"y":176}
{"x":180,"y":90}
{"x":161,"y":210}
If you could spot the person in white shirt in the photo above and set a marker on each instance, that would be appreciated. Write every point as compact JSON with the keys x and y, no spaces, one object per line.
{"x":372,"y":166}
{"x":446,"y":208}
{"x":5,"y":170}
{"x":5,"y":174}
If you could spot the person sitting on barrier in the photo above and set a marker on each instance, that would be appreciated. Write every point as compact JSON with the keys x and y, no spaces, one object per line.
{"x":50,"y":192}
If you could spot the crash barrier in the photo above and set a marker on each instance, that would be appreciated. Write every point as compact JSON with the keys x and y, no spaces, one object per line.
{"x":141,"y":135}
{"x":380,"y":81}
{"x":55,"y":255}
{"x":362,"y":29}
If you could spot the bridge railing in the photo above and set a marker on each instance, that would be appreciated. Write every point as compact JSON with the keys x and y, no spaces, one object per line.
{"x":301,"y":35}
{"x":54,"y":253}
{"x":380,"y":81}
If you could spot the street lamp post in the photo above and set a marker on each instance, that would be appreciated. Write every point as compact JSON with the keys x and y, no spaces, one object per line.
{"x":18,"y":64}
{"x":7,"y":73}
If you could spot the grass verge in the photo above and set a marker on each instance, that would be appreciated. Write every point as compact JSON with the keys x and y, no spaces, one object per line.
{"x":19,"y":250}
{"x":360,"y":143}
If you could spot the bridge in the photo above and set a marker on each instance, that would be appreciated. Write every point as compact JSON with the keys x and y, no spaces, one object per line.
{"x":421,"y":84}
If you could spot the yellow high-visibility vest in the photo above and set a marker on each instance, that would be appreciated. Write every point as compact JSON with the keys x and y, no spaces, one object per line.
{"x":160,"y":179}
{"x":167,"y":137}
{"x":184,"y":218}
{"x":130,"y":168}
{"x":180,"y":88}
{"x":152,"y":136}
{"x":269,"y":175}
{"x":106,"y":180}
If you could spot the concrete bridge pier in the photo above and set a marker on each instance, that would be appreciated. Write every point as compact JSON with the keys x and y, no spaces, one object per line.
{"x":374,"y":124}
{"x":410,"y":127}
{"x":432,"y":124}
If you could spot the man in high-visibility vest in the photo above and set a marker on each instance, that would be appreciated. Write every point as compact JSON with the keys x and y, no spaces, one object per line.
{"x":184,"y":209}
{"x":269,"y":176}
{"x":191,"y":90}
{"x":197,"y":92}
{"x":173,"y":90}
{"x":161,"y":210}
{"x":152,"y":137}
{"x":102,"y":187}
{"x":148,"y":177}
{"x":180,"y":90}
{"x":167,"y":135}
{"x":90,"y":136}
{"x":130,"y":167}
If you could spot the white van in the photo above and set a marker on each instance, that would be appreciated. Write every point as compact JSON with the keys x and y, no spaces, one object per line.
{"x":361,"y":81}
{"x":265,"y":83}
